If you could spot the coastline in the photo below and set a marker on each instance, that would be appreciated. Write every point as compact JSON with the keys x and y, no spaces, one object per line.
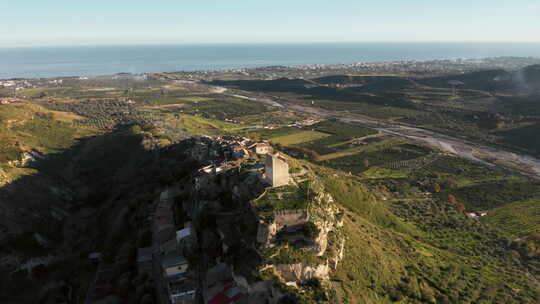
{"x":73,"y":61}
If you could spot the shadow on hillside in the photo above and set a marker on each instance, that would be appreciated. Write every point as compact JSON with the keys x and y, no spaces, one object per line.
{"x":87,"y":198}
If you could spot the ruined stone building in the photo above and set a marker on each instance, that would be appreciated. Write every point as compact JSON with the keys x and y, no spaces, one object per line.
{"x":261,"y":148}
{"x":276,"y":170}
{"x":284,"y":221}
{"x":290,"y":220}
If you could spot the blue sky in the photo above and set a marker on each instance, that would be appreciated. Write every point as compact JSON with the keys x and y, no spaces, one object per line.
{"x":73,"y":22}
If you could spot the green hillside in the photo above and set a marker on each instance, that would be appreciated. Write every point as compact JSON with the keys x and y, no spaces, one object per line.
{"x":103,"y":154}
{"x":423,"y":250}
{"x":518,"y":219}
{"x":27,"y":127}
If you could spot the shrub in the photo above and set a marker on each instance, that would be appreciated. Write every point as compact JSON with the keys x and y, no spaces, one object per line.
{"x":427,"y":293}
{"x":147,"y":299}
{"x":289,"y":299}
{"x":442,"y":299}
{"x":123,"y":285}
{"x":394,"y":294}
{"x":313,"y":283}
{"x":311,"y":230}
{"x":136,"y":129}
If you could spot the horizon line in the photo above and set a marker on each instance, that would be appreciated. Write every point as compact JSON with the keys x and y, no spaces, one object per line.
{"x":258,"y":43}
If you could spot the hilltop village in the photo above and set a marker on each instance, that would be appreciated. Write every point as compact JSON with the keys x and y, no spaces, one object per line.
{"x":186,"y":254}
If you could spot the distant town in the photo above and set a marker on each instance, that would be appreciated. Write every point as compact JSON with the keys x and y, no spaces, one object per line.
{"x":417,"y":68}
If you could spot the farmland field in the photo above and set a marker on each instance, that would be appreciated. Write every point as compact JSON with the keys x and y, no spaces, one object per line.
{"x":517,"y":219}
{"x":299,"y":137}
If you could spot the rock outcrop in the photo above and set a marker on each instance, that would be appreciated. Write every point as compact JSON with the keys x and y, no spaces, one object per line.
{"x":301,"y":272}
{"x":229,"y":228}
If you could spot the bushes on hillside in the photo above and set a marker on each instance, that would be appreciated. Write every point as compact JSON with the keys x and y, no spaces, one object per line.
{"x":310,"y":230}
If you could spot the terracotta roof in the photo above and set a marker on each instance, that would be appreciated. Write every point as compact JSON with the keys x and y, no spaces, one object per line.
{"x":230,"y":294}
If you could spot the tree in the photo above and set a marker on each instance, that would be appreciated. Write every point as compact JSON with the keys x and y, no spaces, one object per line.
{"x":366,"y":163}
{"x":136,"y":129}
{"x":123,"y":284}
{"x":289,"y":299}
{"x":427,"y":293}
{"x":40,"y":271}
{"x":147,"y":299}
{"x":311,"y":230}
{"x":140,"y":279}
{"x":450,"y":183}
{"x":394,"y":294}
{"x":459,"y":206}
{"x":442,"y":299}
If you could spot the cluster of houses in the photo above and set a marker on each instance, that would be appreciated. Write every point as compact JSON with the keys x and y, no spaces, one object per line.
{"x":176,"y":282}
{"x":15,"y":84}
{"x":164,"y":260}
{"x":476,"y":214}
{"x":221,"y":287}
{"x":7,"y":101}
{"x":227,"y":152}
{"x":304,"y":123}
{"x":296,"y":124}
{"x":234,"y":150}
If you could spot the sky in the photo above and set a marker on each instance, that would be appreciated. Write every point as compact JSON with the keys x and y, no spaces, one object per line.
{"x":77,"y":22}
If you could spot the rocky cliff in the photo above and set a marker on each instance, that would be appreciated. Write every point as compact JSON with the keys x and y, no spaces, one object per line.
{"x":270,"y":248}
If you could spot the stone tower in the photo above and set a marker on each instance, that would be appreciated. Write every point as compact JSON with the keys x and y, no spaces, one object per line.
{"x":276,"y":170}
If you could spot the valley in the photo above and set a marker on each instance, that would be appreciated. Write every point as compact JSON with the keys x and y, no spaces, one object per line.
{"x":337,"y":184}
{"x":524,"y":163}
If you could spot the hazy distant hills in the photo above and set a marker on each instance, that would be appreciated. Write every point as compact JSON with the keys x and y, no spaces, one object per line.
{"x":489,"y":80}
{"x":531,"y":76}
{"x":527,"y":80}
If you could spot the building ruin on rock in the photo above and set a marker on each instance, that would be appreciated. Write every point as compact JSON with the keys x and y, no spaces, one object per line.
{"x":284,"y":221}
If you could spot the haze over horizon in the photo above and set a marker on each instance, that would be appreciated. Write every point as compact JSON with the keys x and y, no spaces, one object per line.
{"x":38,"y":23}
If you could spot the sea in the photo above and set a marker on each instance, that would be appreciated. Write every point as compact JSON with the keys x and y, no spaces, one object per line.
{"x":37,"y":62}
